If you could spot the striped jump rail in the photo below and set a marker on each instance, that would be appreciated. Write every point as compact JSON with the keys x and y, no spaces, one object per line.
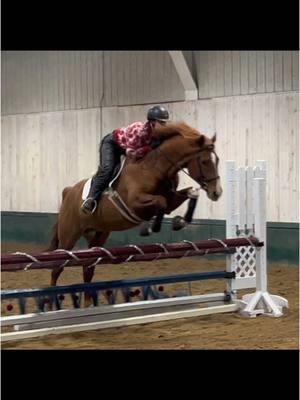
{"x":116,"y":255}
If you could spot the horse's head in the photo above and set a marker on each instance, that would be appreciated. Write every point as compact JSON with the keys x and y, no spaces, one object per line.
{"x":194,"y":151}
{"x":203,"y":167}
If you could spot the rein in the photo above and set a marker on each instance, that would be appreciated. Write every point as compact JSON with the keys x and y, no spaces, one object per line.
{"x":179,"y":166}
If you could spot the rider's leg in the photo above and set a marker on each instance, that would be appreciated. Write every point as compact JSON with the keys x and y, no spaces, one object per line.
{"x":110,"y":154}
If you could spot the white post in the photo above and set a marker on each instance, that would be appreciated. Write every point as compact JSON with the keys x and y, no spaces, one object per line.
{"x":242,"y":201}
{"x":231,"y":218}
{"x":260,"y":222}
{"x":260,"y":232}
{"x":249,"y":202}
{"x":231,"y":210}
{"x":261,"y":302}
{"x":237,"y":209}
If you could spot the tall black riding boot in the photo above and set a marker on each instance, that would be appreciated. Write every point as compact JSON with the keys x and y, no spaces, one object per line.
{"x":98,"y":185}
{"x":110,"y":154}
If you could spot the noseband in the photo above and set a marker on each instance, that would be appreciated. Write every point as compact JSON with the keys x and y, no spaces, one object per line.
{"x":201,"y":180}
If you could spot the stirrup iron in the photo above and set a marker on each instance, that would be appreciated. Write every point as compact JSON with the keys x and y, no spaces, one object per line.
{"x":93,"y":210}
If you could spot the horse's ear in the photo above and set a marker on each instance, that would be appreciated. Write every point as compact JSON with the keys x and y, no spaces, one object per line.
{"x":214,"y":138}
{"x":201,"y":140}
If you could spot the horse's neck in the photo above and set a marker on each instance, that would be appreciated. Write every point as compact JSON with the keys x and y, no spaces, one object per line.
{"x":169,"y":158}
{"x":155,"y":167}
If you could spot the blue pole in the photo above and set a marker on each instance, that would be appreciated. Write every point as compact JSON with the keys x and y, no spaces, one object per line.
{"x":84,"y":287}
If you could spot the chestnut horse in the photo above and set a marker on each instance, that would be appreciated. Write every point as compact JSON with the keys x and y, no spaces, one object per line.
{"x":147,"y":186}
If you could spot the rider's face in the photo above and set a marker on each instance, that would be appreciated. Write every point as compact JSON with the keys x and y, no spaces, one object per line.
{"x":159,"y":123}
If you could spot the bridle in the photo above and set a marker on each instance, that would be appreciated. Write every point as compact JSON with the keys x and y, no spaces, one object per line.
{"x":202,"y":181}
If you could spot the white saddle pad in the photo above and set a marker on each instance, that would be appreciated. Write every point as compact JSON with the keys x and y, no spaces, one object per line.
{"x":86,"y":189}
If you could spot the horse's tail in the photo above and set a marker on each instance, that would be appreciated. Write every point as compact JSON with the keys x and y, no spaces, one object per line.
{"x":54,"y":239}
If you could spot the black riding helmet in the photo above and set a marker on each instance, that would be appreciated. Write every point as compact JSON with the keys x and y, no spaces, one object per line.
{"x":158,"y":113}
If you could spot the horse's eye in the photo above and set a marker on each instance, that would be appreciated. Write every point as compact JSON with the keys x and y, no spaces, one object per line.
{"x":205,"y":163}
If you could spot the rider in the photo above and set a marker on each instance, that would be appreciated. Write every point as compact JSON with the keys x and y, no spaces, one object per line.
{"x":134,"y":141}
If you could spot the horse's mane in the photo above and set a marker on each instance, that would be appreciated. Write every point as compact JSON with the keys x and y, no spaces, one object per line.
{"x":175,"y":129}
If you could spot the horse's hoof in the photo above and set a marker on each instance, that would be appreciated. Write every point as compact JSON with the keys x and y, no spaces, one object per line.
{"x":155,"y":229}
{"x":145,"y":230}
{"x":178,"y":223}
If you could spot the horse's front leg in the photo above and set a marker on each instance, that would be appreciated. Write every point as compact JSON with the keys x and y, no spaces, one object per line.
{"x":174,"y":200}
{"x":146,"y":206}
{"x":157,"y":222}
{"x":178,"y":198}
{"x":193,"y":195}
{"x":149,"y":227}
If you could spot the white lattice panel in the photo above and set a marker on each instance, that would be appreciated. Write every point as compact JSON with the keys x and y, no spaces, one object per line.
{"x":245,"y":262}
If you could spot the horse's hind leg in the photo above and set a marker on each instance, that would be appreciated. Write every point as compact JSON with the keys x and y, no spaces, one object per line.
{"x":147,"y":227}
{"x":97,"y":239}
{"x":66,"y":243}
